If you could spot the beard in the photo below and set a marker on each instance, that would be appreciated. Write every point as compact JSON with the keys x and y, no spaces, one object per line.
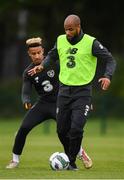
{"x":72,"y":38}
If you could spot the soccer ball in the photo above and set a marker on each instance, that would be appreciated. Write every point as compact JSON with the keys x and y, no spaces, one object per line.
{"x":59,"y":161}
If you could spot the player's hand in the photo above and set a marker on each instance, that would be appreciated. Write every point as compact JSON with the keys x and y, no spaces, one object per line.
{"x":27,"y":106}
{"x":35,"y":70}
{"x":105,"y":83}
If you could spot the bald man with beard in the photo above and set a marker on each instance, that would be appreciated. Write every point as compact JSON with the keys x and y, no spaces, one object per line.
{"x":78,"y":54}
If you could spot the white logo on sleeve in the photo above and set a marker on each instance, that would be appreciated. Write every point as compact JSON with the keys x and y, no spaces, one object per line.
{"x":47,"y":86}
{"x":100,"y":46}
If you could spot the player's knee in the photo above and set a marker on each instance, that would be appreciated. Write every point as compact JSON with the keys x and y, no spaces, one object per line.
{"x":61,"y":131}
{"x":76,"y":133}
{"x":24,"y":129}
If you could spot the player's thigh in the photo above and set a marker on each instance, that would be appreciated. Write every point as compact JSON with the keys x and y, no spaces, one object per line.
{"x":63,"y":115}
{"x":34,"y":116}
{"x":51,"y":111}
{"x":80,"y":112}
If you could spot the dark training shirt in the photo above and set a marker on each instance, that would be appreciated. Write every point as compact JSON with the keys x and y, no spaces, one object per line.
{"x":45,"y":83}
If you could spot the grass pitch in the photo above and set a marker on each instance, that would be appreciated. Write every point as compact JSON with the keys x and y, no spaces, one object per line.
{"x":106,"y":151}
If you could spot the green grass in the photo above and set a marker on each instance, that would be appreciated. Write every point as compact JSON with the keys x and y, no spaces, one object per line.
{"x":106,"y":151}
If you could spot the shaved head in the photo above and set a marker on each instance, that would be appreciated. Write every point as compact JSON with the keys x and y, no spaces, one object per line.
{"x":72,"y":26}
{"x":72,"y":19}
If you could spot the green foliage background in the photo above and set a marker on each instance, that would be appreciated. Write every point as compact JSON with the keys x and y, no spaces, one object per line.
{"x":102,"y":19}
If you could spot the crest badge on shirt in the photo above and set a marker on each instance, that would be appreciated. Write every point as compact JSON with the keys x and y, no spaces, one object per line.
{"x":51,"y":73}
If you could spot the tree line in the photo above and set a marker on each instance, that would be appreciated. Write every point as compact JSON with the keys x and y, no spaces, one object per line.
{"x":21,"y":19}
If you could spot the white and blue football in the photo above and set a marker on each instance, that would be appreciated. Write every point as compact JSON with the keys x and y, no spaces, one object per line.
{"x":59,"y":161}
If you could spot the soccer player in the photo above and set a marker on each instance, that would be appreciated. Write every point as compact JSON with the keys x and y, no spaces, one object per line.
{"x":46,"y":85}
{"x":77,"y":53}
